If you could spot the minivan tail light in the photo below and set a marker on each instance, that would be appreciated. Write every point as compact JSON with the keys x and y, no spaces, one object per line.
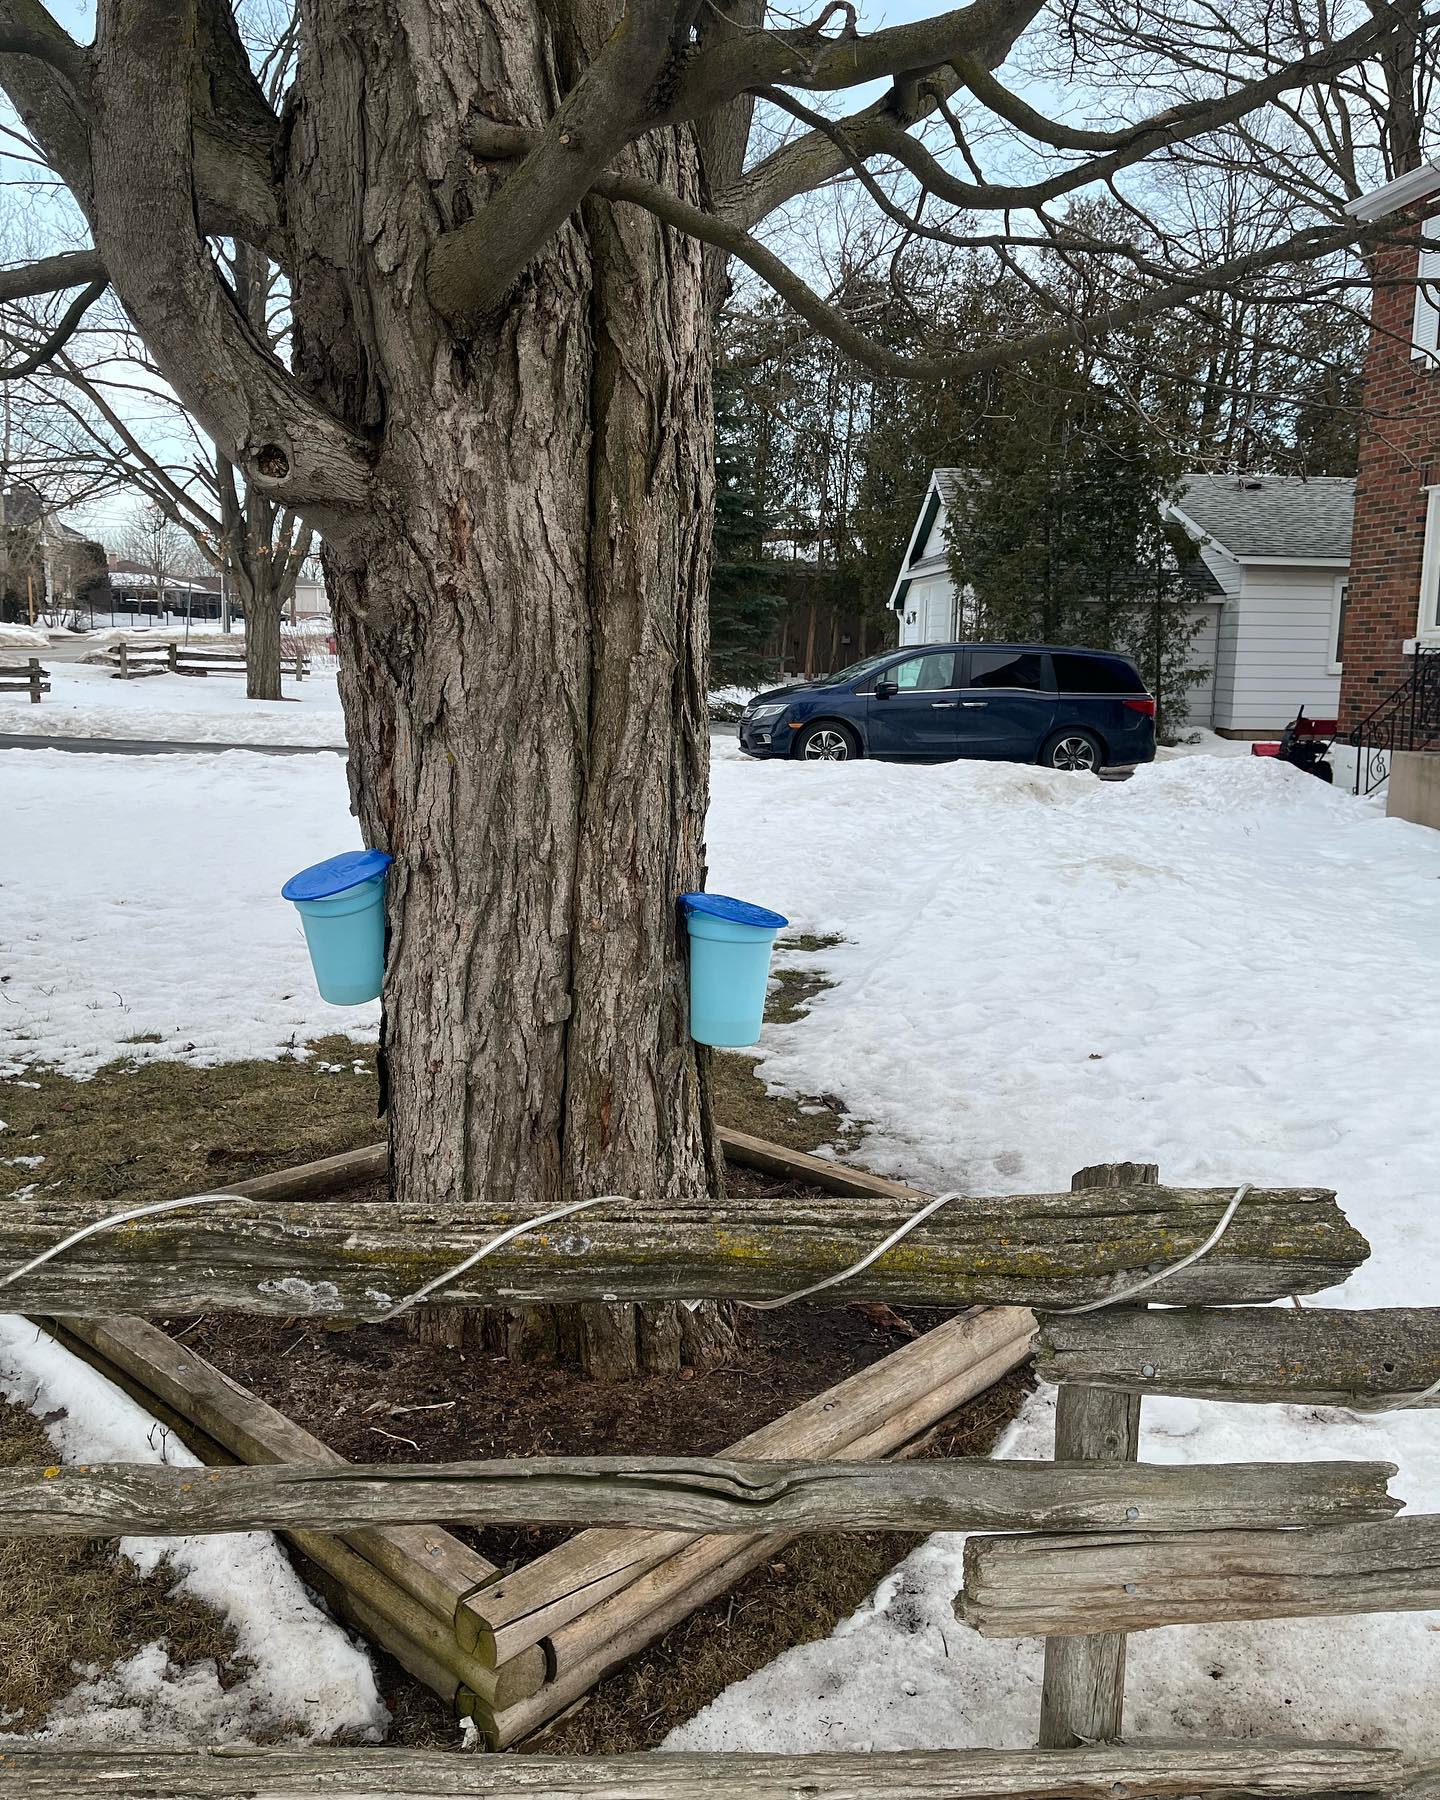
{"x":1143,"y":703}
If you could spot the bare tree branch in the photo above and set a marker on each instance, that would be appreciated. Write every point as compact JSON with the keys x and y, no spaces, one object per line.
{"x":51,"y":274}
{"x":1306,"y":245}
{"x":54,"y":47}
{"x":146,"y":231}
{"x":471,"y":269}
{"x":58,"y":338}
{"x":796,"y":59}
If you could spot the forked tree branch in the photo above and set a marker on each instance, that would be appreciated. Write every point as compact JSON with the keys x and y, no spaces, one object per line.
{"x":471,"y":269}
{"x":146,"y":230}
{"x":791,"y":59}
{"x":57,"y":339}
{"x":54,"y":47}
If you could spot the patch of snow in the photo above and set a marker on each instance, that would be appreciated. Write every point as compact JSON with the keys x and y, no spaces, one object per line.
{"x":307,"y":1679}
{"x":1204,"y":742}
{"x":88,"y":701}
{"x":153,"y":906}
{"x":23,"y":637}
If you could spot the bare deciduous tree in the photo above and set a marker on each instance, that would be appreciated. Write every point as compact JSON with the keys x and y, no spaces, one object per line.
{"x":504,"y":231}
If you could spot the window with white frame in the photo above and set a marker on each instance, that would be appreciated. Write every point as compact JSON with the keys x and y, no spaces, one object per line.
{"x":1338,"y":608}
{"x":1425,"y":330}
{"x":1428,"y":624}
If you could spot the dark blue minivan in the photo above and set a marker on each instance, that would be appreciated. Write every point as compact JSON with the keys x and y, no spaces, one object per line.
{"x":1067,"y":708}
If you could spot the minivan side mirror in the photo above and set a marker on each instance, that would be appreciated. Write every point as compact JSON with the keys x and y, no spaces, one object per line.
{"x":885,"y":690}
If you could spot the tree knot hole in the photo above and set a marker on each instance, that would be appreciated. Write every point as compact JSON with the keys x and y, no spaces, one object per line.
{"x":272,"y":462}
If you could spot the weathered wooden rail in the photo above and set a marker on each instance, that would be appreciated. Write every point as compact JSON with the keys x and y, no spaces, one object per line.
{"x":350,"y":1259}
{"x":1312,"y":1358}
{"x":1107,"y":1545}
{"x":691,"y":1494}
{"x":1267,"y":1771}
{"x":1062,"y":1587}
{"x":25,"y":678}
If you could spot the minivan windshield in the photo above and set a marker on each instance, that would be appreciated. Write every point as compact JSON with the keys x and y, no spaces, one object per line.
{"x":864,"y":667}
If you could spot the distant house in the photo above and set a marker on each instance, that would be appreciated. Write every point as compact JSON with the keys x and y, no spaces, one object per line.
{"x":1267,"y":591}
{"x":48,"y":567}
{"x":136,"y":591}
{"x":1278,"y":546}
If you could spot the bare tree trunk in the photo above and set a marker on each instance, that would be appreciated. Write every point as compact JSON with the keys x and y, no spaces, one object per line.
{"x":522,"y":639}
{"x":262,"y":643}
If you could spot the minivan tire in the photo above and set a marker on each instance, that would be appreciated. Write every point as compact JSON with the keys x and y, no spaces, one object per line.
{"x":827,"y":740}
{"x":1079,"y":751}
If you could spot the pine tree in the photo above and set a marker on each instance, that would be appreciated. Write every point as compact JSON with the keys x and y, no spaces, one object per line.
{"x":744,"y":602}
{"x":1058,"y":532}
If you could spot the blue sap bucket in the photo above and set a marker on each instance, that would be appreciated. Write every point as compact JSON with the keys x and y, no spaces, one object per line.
{"x":730,"y":943}
{"x":341,"y":903}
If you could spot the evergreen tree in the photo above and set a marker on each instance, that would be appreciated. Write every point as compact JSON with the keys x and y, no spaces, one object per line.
{"x":1057,"y":532}
{"x":744,"y":602}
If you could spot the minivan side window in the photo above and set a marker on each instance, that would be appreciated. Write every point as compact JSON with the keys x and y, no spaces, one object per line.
{"x":1008,"y":669}
{"x":1094,"y":675}
{"x":922,"y":673}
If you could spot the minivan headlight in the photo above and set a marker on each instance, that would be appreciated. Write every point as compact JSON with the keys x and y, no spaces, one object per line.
{"x":772,"y":711}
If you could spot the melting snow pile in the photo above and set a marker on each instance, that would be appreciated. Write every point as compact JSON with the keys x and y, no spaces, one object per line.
{"x":1223,"y":966}
{"x":305,"y":1677}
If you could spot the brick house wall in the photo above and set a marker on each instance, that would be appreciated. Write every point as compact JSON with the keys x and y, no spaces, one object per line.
{"x":1399,"y":458}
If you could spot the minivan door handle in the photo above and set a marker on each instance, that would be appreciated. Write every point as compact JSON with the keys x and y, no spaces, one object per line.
{"x":942,"y":705}
{"x":974,"y":702}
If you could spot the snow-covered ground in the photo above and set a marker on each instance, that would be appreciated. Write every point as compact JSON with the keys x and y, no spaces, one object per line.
{"x":1221,"y":965}
{"x":305,"y":1677}
{"x":86,"y":700}
{"x":143,"y":896}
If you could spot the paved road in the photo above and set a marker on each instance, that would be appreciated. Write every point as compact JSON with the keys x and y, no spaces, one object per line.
{"x":95,"y":746}
{"x":18,"y":740}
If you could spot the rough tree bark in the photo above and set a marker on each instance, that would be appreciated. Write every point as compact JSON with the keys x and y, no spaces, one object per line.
{"x":523,"y":642}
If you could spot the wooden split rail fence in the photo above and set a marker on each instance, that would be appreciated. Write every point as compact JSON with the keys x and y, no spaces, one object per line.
{"x":1096,"y":1545}
{"x":134,"y":660}
{"x":25,"y":678}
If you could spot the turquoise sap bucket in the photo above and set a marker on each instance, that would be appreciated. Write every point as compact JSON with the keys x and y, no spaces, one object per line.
{"x":730,"y":943}
{"x":341,"y":903}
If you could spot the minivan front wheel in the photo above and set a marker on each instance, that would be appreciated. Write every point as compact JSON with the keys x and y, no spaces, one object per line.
{"x":1077,"y":751}
{"x":827,"y":743}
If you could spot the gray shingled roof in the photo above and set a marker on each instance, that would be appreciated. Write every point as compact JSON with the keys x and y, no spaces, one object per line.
{"x":1272,"y":515}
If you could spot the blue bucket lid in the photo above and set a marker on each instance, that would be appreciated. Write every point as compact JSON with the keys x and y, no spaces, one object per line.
{"x":336,"y":874}
{"x":739,"y":912}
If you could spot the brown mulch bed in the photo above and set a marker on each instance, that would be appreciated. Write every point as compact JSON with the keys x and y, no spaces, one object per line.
{"x":376,"y":1394}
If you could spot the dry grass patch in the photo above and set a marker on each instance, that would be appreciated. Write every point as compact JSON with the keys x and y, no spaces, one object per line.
{"x":140,"y":1131}
{"x":75,"y":1601}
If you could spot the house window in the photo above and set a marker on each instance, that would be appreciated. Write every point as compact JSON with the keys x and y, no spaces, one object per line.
{"x":1425,"y":331}
{"x":1339,"y":608}
{"x":1429,"y":621}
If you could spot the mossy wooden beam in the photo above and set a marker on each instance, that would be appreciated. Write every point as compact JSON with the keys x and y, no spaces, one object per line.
{"x":1072,"y":1586}
{"x":343,"y":1258}
{"x":699,"y":1494}
{"x":1266,"y":1770}
{"x":1309,"y":1357}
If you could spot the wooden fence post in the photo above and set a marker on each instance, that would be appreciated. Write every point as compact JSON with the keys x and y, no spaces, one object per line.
{"x":124,"y":661}
{"x":1083,"y":1696}
{"x":172,"y":656}
{"x":35,"y":674}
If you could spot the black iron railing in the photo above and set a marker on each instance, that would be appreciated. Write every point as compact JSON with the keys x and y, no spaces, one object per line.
{"x":1408,"y":718}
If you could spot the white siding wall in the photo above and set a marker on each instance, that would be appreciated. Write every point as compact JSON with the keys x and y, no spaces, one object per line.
{"x":1204,"y":653}
{"x":1279,"y":632}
